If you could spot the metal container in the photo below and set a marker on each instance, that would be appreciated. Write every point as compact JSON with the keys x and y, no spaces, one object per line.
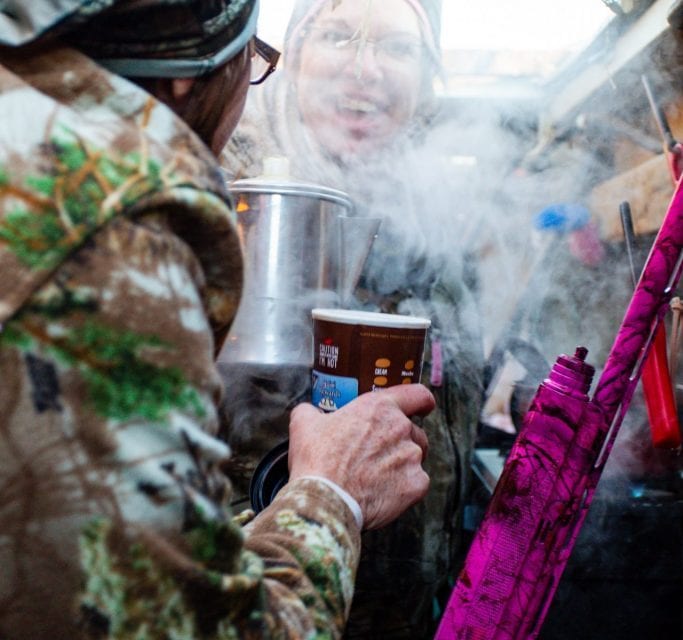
{"x":303,"y":248}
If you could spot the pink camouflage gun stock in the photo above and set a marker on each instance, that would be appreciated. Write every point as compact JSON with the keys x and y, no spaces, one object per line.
{"x":521,"y":548}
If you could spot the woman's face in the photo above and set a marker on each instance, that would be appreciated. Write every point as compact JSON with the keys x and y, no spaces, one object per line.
{"x":360,"y":74}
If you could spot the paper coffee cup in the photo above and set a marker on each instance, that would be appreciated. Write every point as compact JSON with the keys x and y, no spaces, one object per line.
{"x":359,"y":351}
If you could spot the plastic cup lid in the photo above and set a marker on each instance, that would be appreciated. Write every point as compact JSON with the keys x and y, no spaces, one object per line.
{"x":371,"y":318}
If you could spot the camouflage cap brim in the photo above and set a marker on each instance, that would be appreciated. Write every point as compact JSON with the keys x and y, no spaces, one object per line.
{"x":23,"y":22}
{"x":144,"y":38}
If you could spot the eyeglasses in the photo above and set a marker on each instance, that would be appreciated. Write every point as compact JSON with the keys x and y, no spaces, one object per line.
{"x":263,"y":60}
{"x":391,"y":48}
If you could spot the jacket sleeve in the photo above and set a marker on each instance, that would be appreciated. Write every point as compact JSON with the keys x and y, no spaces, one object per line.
{"x":311,"y":542}
{"x":114,"y":511}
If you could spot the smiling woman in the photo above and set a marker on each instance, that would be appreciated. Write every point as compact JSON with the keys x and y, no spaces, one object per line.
{"x":375,"y":56}
{"x":352,"y":108}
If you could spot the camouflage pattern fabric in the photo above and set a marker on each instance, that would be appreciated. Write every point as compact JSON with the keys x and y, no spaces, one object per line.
{"x":119,"y":259}
{"x":158,"y":29}
{"x":406,"y":569}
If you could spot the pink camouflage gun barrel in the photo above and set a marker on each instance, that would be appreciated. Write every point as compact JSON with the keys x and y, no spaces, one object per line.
{"x":522,"y":546}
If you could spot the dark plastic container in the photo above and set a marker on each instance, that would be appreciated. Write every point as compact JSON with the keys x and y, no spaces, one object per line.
{"x":271,"y":474}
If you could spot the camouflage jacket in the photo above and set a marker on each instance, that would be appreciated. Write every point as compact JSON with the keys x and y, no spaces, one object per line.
{"x":119,"y":258}
{"x":416,"y":267}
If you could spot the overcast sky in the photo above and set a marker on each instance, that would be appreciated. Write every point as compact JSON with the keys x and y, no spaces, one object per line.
{"x":522,"y":24}
{"x":489,"y":24}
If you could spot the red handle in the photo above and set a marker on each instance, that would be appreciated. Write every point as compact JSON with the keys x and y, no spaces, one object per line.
{"x":659,"y":397}
{"x":675,"y":161}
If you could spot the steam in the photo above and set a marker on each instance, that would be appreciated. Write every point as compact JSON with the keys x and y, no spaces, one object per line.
{"x":463,"y":192}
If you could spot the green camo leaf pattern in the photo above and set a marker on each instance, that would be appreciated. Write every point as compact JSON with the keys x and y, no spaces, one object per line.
{"x":53,"y":214}
{"x":121,"y":384}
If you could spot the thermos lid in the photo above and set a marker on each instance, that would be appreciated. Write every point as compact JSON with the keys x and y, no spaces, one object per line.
{"x":276,"y":180}
{"x":573,"y":373}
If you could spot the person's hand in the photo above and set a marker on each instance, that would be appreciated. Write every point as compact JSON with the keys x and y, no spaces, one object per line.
{"x":369,"y":447}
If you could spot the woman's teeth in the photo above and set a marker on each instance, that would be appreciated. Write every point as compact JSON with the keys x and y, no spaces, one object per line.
{"x":360,"y":106}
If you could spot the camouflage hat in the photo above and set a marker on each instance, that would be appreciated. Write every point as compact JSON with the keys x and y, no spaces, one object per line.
{"x":151,"y":38}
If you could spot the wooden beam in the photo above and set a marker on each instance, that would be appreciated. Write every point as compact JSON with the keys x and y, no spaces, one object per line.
{"x":646,"y":187}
